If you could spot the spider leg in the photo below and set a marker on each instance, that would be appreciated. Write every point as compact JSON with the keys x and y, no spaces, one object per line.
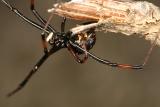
{"x":63,"y":24}
{"x":50,"y":35}
{"x":44,"y":43}
{"x":39,"y":17}
{"x":34,"y":70}
{"x":19,"y":14}
{"x":44,"y":22}
{"x":150,"y":50}
{"x":106,"y":62}
{"x":83,"y":28}
{"x":75,"y":55}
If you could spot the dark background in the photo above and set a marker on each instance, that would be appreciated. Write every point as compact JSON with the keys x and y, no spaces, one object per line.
{"x":62,"y":82}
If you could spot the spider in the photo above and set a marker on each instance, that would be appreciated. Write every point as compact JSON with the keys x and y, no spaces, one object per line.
{"x":78,"y":44}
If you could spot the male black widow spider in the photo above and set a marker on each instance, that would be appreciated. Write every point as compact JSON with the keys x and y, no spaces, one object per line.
{"x":77,"y":43}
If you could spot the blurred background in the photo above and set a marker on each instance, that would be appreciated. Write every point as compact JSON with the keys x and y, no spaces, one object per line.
{"x":61,"y":81}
